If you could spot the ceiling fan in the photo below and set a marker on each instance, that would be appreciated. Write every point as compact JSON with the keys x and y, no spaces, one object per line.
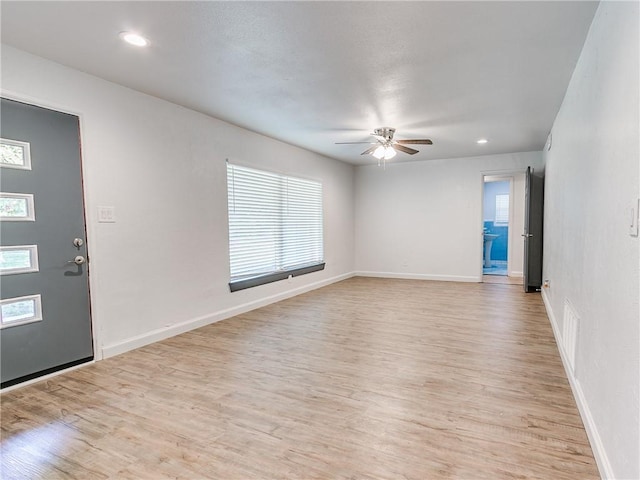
{"x":385,"y":147}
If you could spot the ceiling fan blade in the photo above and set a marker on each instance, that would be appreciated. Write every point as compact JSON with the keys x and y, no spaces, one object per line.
{"x":353,"y":143}
{"x":420,"y":141}
{"x":404,"y":149}
{"x":369,"y":151}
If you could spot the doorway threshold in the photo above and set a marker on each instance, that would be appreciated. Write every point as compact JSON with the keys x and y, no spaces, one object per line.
{"x":502,"y":279}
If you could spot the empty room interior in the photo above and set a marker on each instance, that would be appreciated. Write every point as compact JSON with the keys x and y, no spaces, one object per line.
{"x":303,"y":240}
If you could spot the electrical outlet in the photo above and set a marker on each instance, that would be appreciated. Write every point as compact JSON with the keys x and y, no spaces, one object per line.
{"x":633,"y":220}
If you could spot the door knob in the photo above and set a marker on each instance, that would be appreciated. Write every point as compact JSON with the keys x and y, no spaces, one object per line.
{"x":79,"y":260}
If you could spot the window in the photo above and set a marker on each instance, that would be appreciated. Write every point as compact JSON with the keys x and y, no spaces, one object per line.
{"x":15,"y":154}
{"x":18,"y":259}
{"x":502,"y":210}
{"x":17,"y":207}
{"x":275,"y":226}
{"x":20,"y":310}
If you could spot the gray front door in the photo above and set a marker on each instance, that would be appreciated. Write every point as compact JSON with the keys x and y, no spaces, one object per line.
{"x":45,"y":313}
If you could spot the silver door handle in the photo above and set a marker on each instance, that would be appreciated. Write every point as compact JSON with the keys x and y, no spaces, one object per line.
{"x":527,"y":235}
{"x":79,"y":260}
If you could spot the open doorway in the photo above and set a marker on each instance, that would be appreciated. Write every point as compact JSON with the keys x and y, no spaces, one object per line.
{"x":503,"y":223}
{"x":495,"y":252}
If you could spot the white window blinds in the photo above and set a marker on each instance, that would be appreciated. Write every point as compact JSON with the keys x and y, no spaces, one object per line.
{"x":502,"y":209}
{"x":275,"y":222}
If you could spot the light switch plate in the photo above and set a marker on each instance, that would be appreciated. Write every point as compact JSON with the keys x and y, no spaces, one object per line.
{"x":106,"y":214}
{"x":633,"y":221}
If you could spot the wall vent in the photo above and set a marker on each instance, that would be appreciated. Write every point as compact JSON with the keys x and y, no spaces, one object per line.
{"x":570,"y":323}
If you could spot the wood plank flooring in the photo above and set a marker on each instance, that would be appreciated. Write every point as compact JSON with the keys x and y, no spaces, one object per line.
{"x":367,"y":378}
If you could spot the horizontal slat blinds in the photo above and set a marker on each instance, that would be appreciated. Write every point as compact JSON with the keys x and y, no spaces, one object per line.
{"x":275,"y":222}
{"x":502,"y":209}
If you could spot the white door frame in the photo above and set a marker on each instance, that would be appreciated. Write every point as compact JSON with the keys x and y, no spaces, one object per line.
{"x":502,"y":175}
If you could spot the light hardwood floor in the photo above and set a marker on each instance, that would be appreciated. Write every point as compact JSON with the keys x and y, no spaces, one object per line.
{"x":367,"y":378}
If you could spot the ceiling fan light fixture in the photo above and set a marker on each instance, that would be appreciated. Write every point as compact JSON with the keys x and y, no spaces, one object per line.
{"x":389,"y":153}
{"x":384,"y":151}
{"x":379,"y":152}
{"x":385,"y":147}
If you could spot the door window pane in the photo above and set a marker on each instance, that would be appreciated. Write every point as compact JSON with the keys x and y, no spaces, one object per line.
{"x":17,"y":207}
{"x":18,"y":259}
{"x":21,"y":310}
{"x":15,"y":154}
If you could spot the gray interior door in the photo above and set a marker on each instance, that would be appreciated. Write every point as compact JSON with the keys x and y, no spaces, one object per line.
{"x":533,"y":217}
{"x":44,"y":290}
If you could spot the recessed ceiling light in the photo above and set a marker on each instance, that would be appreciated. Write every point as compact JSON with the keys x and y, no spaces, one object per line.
{"x":482,"y":141}
{"x":134,"y":39}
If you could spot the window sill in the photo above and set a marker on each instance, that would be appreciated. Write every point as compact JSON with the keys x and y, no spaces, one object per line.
{"x":273,"y":277}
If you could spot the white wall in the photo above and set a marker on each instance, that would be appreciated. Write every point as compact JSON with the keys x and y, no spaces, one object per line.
{"x":589,"y":257}
{"x":162,"y":268}
{"x":424,"y":219}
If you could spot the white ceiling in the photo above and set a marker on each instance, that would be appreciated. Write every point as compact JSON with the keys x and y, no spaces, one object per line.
{"x":315,"y":73}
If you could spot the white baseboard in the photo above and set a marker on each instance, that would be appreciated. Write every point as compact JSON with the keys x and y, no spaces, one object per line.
{"x":599,"y":452}
{"x":516,"y":274}
{"x":177,"y":329}
{"x":420,"y":276}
